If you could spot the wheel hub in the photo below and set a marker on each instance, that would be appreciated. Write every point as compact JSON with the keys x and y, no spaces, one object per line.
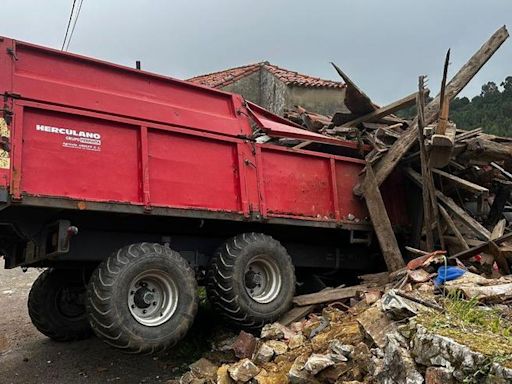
{"x":262,"y":279}
{"x":152,"y":298}
{"x":143,"y":297}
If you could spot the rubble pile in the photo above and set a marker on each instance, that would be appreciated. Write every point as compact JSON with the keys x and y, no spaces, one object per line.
{"x":441,"y":312}
{"x":393,"y":329}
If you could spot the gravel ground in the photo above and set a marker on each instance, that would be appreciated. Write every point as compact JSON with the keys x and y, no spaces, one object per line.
{"x":26,"y":356}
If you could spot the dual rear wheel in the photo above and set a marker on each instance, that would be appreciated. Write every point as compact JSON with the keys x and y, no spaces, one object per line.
{"x":143,"y":298}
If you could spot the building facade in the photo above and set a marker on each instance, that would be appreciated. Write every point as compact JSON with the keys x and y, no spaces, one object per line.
{"x":277,"y":89}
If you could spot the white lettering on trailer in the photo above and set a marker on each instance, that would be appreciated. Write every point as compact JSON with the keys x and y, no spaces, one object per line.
{"x":89,"y":141}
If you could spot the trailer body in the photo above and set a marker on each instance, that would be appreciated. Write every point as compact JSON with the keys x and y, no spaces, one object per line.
{"x":84,"y":135}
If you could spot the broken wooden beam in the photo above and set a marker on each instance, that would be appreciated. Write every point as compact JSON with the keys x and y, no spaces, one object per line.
{"x":389,"y":161}
{"x":468,"y":253}
{"x":484,"y":151}
{"x":451,"y":224}
{"x":462,"y":183}
{"x":295,"y":314}
{"x":329,"y":295}
{"x":355,"y":99}
{"x":384,"y":111}
{"x":462,"y":215}
{"x":381,"y":224}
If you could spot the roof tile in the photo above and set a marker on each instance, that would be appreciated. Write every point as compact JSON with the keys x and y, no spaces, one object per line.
{"x":229,"y":76}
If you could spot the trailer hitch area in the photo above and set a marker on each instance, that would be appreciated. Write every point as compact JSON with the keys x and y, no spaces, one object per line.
{"x":71,"y":231}
{"x":58,"y":237}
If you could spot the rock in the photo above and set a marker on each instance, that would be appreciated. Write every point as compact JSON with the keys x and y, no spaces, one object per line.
{"x":398,"y":365}
{"x":223,"y":375}
{"x":339,"y":348}
{"x":264,"y":354}
{"x":243,"y":371}
{"x":332,"y":374}
{"x":296,"y":341}
{"x":375,"y":324}
{"x":297,"y":326}
{"x":432,"y":349}
{"x":419,"y":276}
{"x":244,"y":345}
{"x":398,"y":307}
{"x":265,"y":377}
{"x":190,"y":378}
{"x":279,"y":347}
{"x":298,"y":375}
{"x":372,"y":296}
{"x":317,"y":362}
{"x":499,"y":375}
{"x":273,"y":331}
{"x":204,"y":369}
{"x":439,"y":375}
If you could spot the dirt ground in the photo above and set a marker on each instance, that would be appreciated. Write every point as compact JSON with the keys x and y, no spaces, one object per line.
{"x":26,"y":356}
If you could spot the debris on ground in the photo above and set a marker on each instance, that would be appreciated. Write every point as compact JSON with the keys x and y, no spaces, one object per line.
{"x":438,"y":315}
{"x":433,"y":335}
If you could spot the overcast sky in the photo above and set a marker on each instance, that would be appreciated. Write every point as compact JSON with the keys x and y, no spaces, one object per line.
{"x":382,"y":45}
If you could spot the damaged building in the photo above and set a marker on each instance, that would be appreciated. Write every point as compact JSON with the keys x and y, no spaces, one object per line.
{"x":277,"y":89}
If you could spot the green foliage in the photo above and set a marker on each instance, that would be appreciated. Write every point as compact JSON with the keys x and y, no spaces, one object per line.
{"x":491,"y":110}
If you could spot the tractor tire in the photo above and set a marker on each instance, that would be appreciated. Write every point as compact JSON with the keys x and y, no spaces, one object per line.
{"x":142,"y":299}
{"x":56,"y":305}
{"x":251,"y":280}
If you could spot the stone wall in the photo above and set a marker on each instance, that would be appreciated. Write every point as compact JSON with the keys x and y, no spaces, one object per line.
{"x":274,"y":93}
{"x":248,"y":87}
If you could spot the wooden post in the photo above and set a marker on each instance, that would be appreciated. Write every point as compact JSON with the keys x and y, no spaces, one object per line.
{"x":389,"y":161}
{"x":425,"y":190}
{"x":381,"y":223}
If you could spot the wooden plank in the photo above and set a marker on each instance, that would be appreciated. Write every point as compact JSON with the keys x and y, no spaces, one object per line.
{"x":389,"y":161}
{"x":468,"y":134}
{"x":444,"y":103}
{"x":426,"y":190}
{"x":448,"y":220}
{"x":295,"y":314}
{"x":381,"y":223}
{"x":466,"y":254}
{"x":464,"y":184}
{"x":405,"y":102}
{"x":329,"y":295}
{"x":355,"y":99}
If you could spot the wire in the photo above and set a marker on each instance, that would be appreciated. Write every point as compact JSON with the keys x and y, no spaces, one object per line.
{"x":69,"y":23}
{"x":74,"y":23}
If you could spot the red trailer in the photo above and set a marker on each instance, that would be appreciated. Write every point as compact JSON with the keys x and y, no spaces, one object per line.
{"x":132,"y":187}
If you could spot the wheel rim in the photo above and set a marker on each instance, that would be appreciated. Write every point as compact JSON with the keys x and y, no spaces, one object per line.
{"x":152,"y":298}
{"x":262,"y":279}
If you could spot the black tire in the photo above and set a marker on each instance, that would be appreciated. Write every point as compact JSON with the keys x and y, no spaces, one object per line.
{"x":226,"y":280}
{"x":112,"y":317}
{"x":56,"y":305}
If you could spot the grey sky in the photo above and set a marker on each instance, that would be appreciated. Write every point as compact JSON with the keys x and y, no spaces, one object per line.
{"x":382,"y":45}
